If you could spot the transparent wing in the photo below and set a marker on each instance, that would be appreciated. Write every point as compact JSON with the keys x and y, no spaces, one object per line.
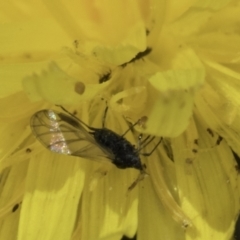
{"x":64,"y":134}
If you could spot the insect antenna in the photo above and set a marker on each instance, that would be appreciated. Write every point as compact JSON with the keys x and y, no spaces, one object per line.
{"x":131,"y":127}
{"x":65,"y":110}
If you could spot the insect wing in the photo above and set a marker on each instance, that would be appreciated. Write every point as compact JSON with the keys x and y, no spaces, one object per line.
{"x":63,"y":134}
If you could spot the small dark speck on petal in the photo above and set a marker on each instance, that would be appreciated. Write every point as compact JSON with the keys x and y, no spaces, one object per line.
{"x":15,"y":207}
{"x":79,"y":88}
{"x":196,"y":141}
{"x":28,"y":150}
{"x":219,"y":140}
{"x":210,"y":132}
{"x":189,"y":161}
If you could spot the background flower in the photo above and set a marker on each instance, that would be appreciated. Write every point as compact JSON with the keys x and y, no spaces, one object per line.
{"x":187,"y":86}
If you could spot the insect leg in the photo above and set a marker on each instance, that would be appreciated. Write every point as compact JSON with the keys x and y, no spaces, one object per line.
{"x":72,"y":115}
{"x":148,"y":154}
{"x":65,"y":110}
{"x":140,"y":177}
{"x":139,"y":141}
{"x":144,"y":143}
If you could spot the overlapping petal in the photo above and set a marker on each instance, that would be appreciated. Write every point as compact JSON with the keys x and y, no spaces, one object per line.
{"x":186,"y":85}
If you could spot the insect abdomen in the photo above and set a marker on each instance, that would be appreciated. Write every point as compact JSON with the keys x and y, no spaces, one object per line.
{"x":125,"y":155}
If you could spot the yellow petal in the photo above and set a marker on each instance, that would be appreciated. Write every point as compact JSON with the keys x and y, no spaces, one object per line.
{"x":220,"y":47}
{"x":110,"y":202}
{"x":176,"y":8}
{"x":215,"y":5}
{"x":15,"y":107}
{"x":194,"y":20}
{"x":13,"y":11}
{"x":53,"y":187}
{"x":109,"y":22}
{"x":171,"y":96}
{"x":159,"y":208}
{"x":12,"y":189}
{"x":57,"y":87}
{"x":220,"y":103}
{"x":200,"y":171}
{"x":31,"y":38}
{"x":226,"y":20}
{"x":27,"y":46}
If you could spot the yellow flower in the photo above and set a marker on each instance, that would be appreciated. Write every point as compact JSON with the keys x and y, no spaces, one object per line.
{"x":176,"y":64}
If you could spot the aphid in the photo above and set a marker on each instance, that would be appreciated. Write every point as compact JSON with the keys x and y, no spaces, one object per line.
{"x":66,"y":134}
{"x":138,"y":56}
{"x":105,"y":77}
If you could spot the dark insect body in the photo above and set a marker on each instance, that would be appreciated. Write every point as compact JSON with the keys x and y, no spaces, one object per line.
{"x":105,"y":77}
{"x":138,"y":56}
{"x":125,"y":154}
{"x":66,"y":134}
